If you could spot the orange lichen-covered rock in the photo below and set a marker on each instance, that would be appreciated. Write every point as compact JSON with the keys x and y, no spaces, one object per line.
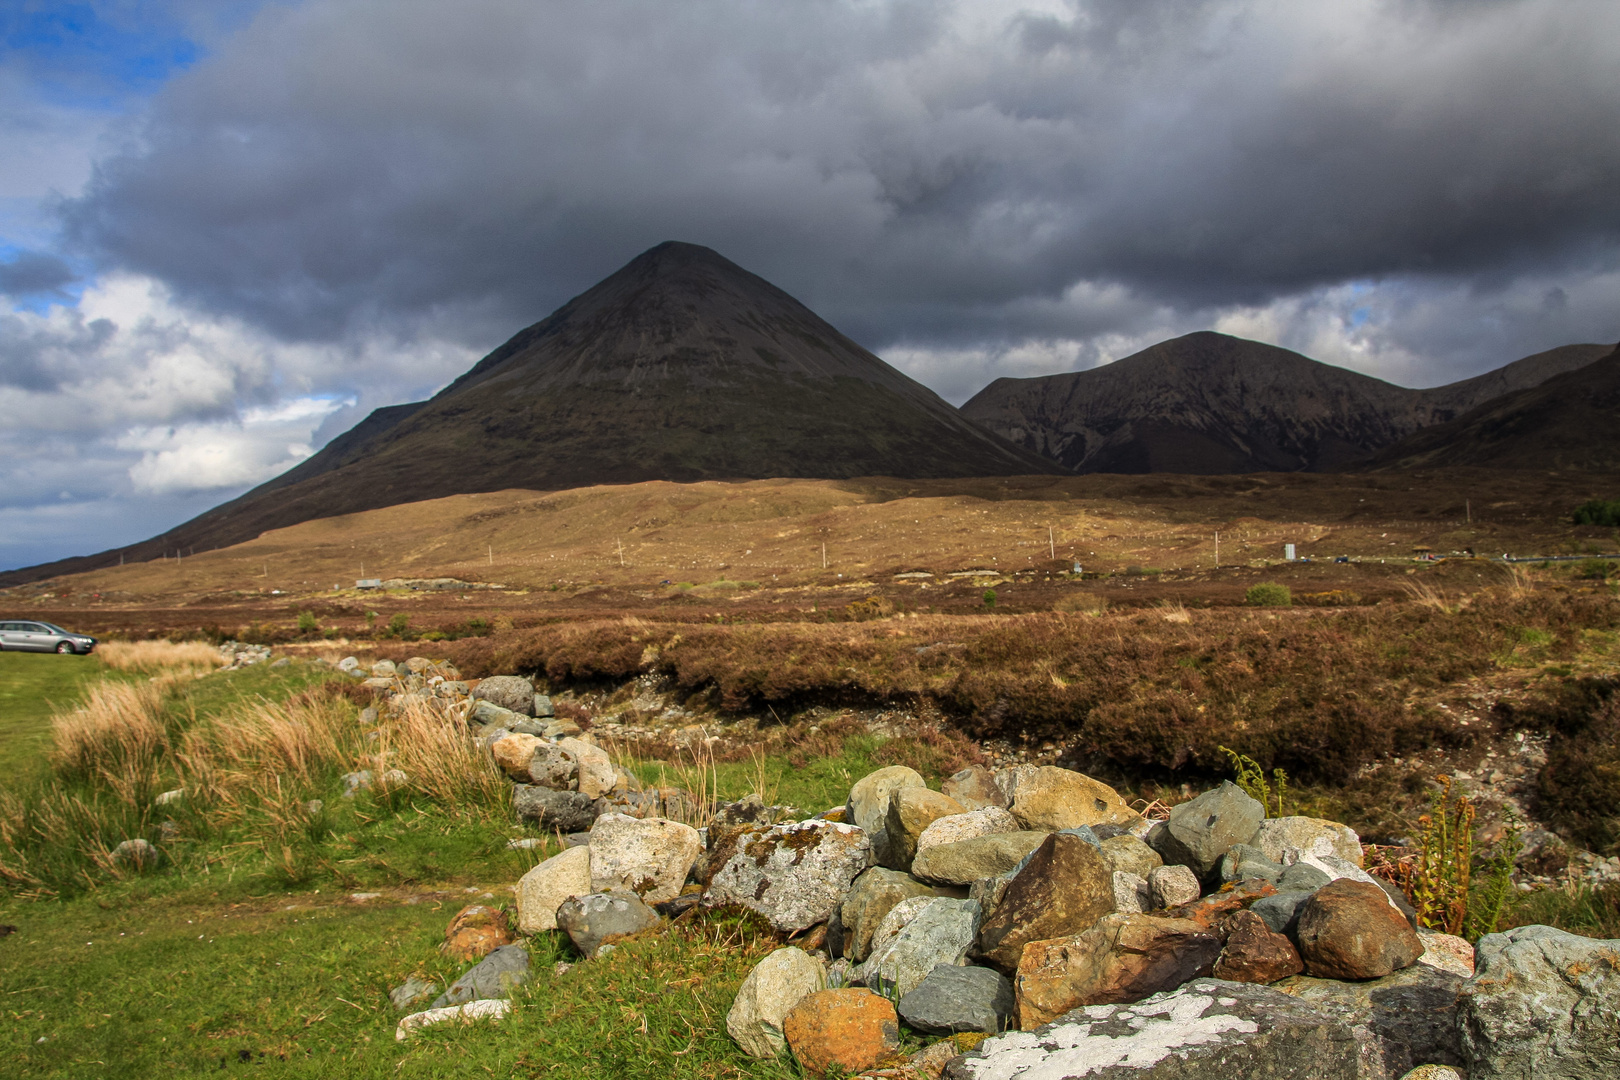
{"x":851,"y":1029}
{"x":475,"y":932}
{"x":1209,"y":911}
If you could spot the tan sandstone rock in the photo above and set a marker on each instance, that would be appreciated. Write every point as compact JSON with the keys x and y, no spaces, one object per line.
{"x":512,"y":754}
{"x":911,"y":810}
{"x":975,"y":788}
{"x":1055,"y":798}
{"x":546,"y":886}
{"x":1064,"y":888}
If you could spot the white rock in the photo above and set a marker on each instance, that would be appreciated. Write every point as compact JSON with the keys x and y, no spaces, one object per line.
{"x":1131,"y":893}
{"x":169,"y":798}
{"x":777,"y":983}
{"x":542,"y":889}
{"x":647,"y":856}
{"x":489,"y":1009}
{"x":975,"y":823}
{"x":1172,"y":885}
{"x":1317,"y":836}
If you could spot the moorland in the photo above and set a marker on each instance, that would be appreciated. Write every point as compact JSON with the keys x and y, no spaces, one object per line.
{"x":695,"y":631}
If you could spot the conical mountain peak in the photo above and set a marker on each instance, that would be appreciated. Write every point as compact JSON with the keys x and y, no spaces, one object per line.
{"x":679,"y":366}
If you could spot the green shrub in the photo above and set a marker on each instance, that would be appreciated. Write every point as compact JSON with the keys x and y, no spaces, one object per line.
{"x":989,"y":598}
{"x":399,"y":626}
{"x":1595,"y":569}
{"x":1269,"y":594}
{"x":1598,"y":512}
{"x":307,"y":623}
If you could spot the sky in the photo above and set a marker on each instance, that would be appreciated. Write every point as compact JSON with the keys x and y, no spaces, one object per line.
{"x":230,"y":228}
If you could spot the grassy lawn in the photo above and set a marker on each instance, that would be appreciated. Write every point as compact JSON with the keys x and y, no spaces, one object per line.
{"x":299,"y":982}
{"x":31,"y":686}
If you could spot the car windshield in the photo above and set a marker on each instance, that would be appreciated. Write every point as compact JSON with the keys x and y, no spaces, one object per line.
{"x":53,"y":627}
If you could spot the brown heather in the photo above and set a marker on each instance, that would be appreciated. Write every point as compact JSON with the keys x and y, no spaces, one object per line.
{"x":1319,"y":692}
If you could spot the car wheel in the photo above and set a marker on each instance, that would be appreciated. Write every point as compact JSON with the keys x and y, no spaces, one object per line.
{"x":65,"y":648}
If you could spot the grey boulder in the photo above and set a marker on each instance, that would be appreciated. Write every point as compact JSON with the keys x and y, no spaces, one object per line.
{"x":1405,"y":1020}
{"x":508,"y":691}
{"x":875,"y":892}
{"x":1244,"y":863}
{"x":952,"y":999}
{"x":1302,"y":877}
{"x":1281,"y":911}
{"x":1207,"y":1028}
{"x":413,"y":991}
{"x":598,"y":919}
{"x":1202,"y":830}
{"x":492,"y":977}
{"x":942,"y":932}
{"x":563,"y":811}
{"x":1542,"y":1003}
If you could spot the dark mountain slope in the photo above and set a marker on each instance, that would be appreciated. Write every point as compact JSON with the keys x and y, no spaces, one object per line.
{"x":1571,"y":421}
{"x":1454,"y":399}
{"x":1203,"y":403}
{"x":1210,"y":403}
{"x":680,"y":366}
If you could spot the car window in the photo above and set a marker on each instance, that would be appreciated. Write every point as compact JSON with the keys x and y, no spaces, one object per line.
{"x":9,"y":626}
{"x":34,"y":628}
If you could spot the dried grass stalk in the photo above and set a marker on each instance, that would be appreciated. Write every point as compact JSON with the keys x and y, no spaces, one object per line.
{"x":159,"y":655}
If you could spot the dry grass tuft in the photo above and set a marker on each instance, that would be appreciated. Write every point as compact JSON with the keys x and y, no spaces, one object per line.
{"x":1174,"y":612}
{"x":1426,"y":595}
{"x":159,"y":655}
{"x":117,"y":739}
{"x":439,"y":760}
{"x":254,"y":755}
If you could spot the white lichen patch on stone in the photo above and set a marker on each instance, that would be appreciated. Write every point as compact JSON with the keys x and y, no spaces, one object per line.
{"x":1074,"y":1049}
{"x":484,"y":1009}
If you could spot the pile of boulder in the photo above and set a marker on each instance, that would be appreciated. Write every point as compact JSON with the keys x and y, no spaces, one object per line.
{"x":1033,"y":910}
{"x":434,"y":683}
{"x":1027,"y":917}
{"x":234,"y":655}
{"x":563,"y":781}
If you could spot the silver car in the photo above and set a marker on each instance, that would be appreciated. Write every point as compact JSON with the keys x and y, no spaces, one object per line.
{"x":43,"y":637}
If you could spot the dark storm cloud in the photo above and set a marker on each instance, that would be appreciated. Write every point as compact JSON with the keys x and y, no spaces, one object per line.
{"x":916,"y":172}
{"x":33,"y":272}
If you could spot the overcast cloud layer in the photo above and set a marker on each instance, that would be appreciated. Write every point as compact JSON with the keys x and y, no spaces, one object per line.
{"x":340,"y":204}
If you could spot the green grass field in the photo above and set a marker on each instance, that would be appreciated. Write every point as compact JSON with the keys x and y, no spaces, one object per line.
{"x":31,"y":685}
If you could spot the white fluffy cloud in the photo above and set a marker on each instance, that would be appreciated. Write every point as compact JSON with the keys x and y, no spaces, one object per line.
{"x":258,"y":444}
{"x":127,"y":411}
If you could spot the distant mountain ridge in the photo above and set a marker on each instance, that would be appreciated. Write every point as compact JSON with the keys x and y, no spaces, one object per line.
{"x":1570,"y":421}
{"x":1211,"y":403}
{"x":680,"y":366}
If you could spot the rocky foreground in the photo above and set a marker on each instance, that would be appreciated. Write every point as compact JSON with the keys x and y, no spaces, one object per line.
{"x":1029,"y":918}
